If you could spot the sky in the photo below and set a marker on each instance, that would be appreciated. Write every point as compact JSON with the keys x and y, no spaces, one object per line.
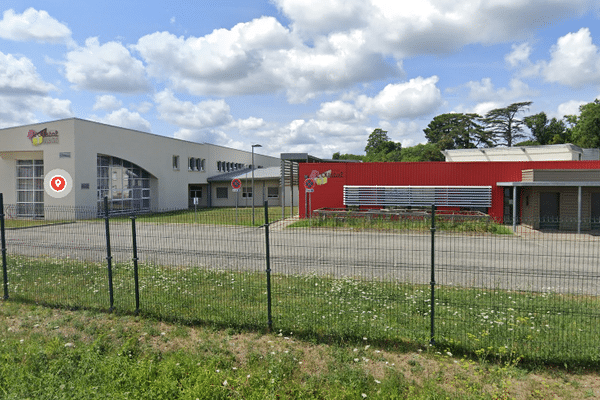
{"x":311,"y":76}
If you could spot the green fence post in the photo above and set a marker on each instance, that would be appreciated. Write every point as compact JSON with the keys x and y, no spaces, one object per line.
{"x":268,"y":256}
{"x":432,"y":340}
{"x":108,"y":255}
{"x":3,"y":234}
{"x":135,"y":265}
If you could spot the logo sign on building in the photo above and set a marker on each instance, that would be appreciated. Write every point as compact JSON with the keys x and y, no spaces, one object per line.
{"x":236,"y":184}
{"x":42,"y":137}
{"x":309,"y":185}
{"x":58,"y":183}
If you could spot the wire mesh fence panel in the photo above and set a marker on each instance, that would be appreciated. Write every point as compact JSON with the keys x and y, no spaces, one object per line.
{"x":202,"y":268}
{"x":351,"y":279}
{"x":58,"y":261}
{"x":528,"y":293}
{"x":499,"y":293}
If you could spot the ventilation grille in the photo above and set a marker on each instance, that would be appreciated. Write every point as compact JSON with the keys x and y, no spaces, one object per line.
{"x":450,"y":196}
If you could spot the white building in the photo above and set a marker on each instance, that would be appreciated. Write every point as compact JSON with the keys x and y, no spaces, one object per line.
{"x":555,"y":152}
{"x":133,"y":169}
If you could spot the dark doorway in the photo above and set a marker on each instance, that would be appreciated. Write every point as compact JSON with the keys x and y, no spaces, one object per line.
{"x":549,"y":210}
{"x":595,"y":211}
{"x":508,"y":205}
{"x":195,"y":192}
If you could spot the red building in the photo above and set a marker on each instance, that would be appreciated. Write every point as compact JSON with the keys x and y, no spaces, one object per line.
{"x":564,"y":190}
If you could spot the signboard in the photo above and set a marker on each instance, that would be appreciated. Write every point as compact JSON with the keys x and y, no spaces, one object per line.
{"x":196,"y":201}
{"x":236,"y":184}
{"x":309,"y":185}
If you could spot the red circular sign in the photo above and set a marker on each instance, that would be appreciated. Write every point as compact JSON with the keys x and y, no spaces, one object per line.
{"x":236,"y":184}
{"x":309,"y":183}
{"x":58,"y":183}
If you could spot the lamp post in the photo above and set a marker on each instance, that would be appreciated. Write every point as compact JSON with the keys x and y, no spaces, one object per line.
{"x":253,"y":146}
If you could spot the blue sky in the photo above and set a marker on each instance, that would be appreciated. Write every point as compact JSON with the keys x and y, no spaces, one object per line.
{"x":312,"y":76}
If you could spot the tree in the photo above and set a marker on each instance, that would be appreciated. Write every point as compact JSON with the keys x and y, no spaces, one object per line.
{"x":586,"y":128}
{"x":380,"y":148}
{"x":546,"y":131}
{"x":502,"y":124}
{"x":457,"y":131}
{"x":338,"y":156}
{"x":422,"y":152}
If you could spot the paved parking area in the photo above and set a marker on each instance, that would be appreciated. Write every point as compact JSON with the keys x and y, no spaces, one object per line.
{"x":528,"y":260}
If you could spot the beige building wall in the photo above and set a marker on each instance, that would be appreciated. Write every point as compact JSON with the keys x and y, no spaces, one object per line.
{"x":568,"y":206}
{"x":83,"y":140}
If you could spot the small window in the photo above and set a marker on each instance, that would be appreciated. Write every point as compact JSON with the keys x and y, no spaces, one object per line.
{"x":273,"y":192}
{"x":176,"y":162}
{"x":199,"y":165}
{"x":191,"y":163}
{"x":247,"y":191}
{"x":219,"y":166}
{"x":222,"y":193}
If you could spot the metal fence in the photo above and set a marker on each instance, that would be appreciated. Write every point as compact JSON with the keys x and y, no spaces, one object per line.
{"x":468,"y":286}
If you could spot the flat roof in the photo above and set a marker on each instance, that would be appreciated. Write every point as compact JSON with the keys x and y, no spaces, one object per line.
{"x":550,"y":183}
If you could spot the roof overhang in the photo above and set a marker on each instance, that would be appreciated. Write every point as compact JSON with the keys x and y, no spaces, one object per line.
{"x":549,"y":183}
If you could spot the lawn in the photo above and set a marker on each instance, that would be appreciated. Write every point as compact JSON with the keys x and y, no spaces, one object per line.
{"x":513,"y":327}
{"x":49,"y":353}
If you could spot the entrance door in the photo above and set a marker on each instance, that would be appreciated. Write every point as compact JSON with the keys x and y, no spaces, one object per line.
{"x":595,"y":211}
{"x":195,"y":191}
{"x":549,"y":210}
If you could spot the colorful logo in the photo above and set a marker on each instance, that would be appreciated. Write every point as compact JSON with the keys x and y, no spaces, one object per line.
{"x":43,"y":136}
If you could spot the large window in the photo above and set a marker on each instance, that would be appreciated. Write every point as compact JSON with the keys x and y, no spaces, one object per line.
{"x":126,"y":185}
{"x":273,"y":192}
{"x":30,"y":188}
{"x":222,"y":193}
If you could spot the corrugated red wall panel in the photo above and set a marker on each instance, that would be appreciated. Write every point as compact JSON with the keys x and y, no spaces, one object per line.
{"x":329,"y":192}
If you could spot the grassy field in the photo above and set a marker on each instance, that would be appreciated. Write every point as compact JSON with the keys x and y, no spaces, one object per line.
{"x":51,"y":353}
{"x":404,"y":224}
{"x":499,"y":326}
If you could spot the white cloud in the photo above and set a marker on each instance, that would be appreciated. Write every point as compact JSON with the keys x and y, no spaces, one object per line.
{"x":18,"y":76}
{"x":408,"y":27}
{"x":125,"y":119}
{"x":107,"y":102}
{"x":417,"y":97}
{"x":261,"y":56}
{"x":484,"y":91}
{"x":339,"y":111}
{"x":33,"y":25}
{"x":105,"y":68}
{"x":143,"y":107}
{"x":185,"y":114}
{"x":519,"y":55}
{"x":569,"y":108}
{"x":55,"y":108}
{"x":574,"y":61}
{"x":321,"y":17}
{"x":21,"y":110}
{"x":250,"y":124}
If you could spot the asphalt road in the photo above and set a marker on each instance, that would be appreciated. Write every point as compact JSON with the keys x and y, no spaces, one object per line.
{"x":539,"y":262}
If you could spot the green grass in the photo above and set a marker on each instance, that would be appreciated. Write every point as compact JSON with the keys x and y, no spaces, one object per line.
{"x":533,"y":328}
{"x":215,"y":216}
{"x":50,"y":353}
{"x":405,"y":224}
